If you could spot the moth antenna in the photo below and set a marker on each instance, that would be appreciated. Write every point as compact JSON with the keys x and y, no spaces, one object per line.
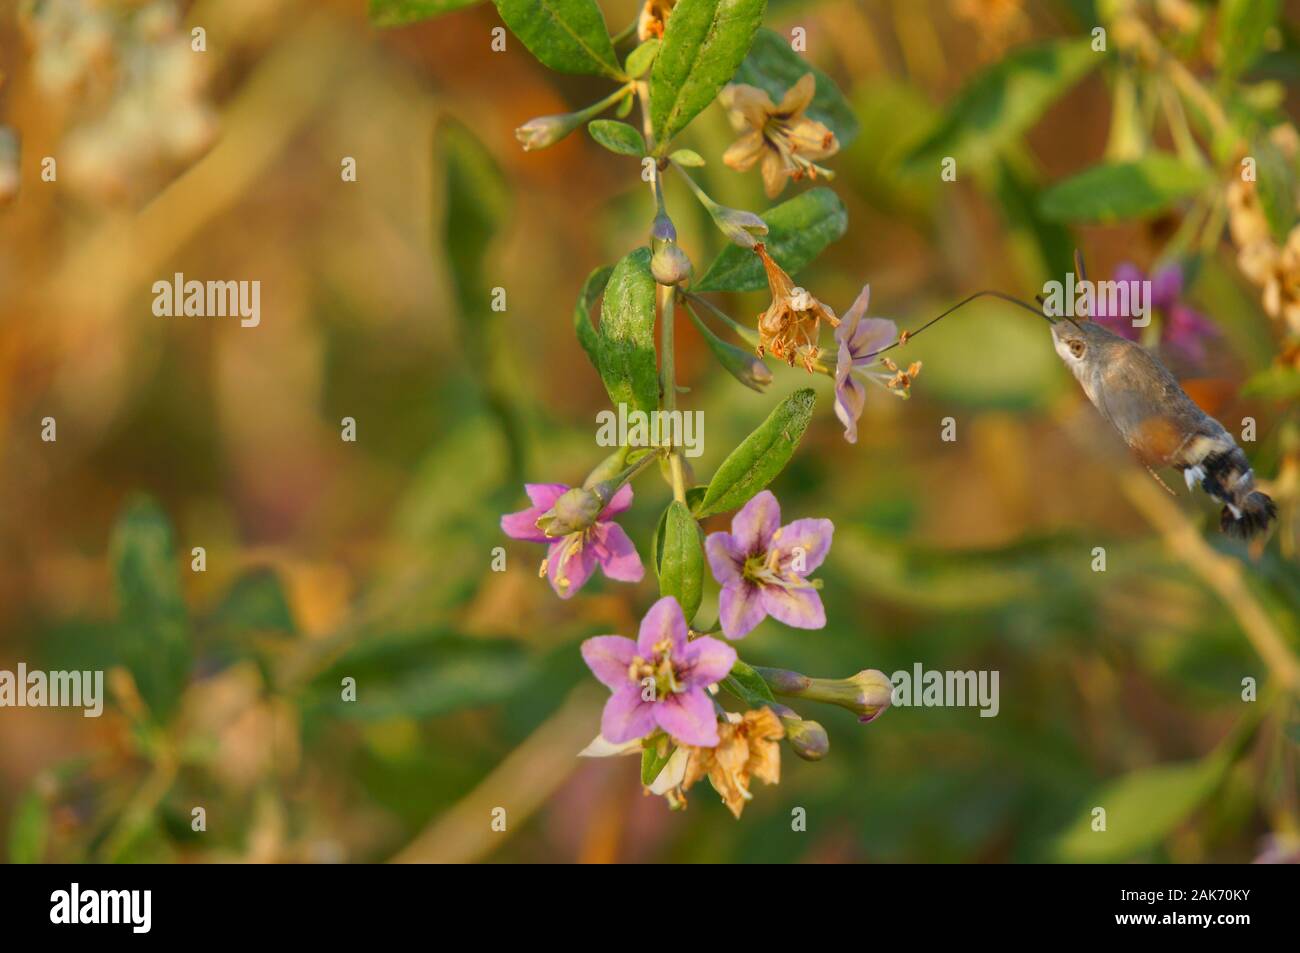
{"x":1010,"y":299}
{"x":1042,"y":303}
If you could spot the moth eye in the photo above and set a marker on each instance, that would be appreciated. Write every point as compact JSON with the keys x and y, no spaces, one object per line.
{"x":1077,"y":348}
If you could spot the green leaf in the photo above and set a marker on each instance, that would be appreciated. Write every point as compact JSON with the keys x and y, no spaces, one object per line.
{"x":652,"y":762}
{"x":693,"y":496}
{"x":760,"y":456}
{"x":681,"y":571}
{"x":156,"y":638}
{"x":1273,"y":383}
{"x":253,"y":620}
{"x":1003,"y":101}
{"x":1275,"y":184}
{"x":569,"y":36}
{"x":1243,"y":28}
{"x":617,"y":137}
{"x":640,"y":59}
{"x":704,"y":43}
{"x":592,"y":289}
{"x":1142,"y":809}
{"x":797,"y":232}
{"x":474,"y":203}
{"x":625,"y":347}
{"x":774,"y":67}
{"x":688,"y":158}
{"x":477,"y":202}
{"x":255,"y":603}
{"x":1113,"y":192}
{"x":748,"y":686}
{"x":424,"y":674}
{"x":1018,"y":191}
{"x":398,"y":12}
{"x":29,"y":829}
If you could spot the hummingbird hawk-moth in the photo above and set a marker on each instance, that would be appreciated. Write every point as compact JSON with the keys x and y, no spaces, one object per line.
{"x":1161,"y":424}
{"x":1153,"y":414}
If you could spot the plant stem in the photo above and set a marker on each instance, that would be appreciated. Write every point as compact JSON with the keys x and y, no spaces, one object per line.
{"x":694,"y":186}
{"x":1183,"y":79}
{"x":1184,"y":142}
{"x":624,"y":33}
{"x":633,"y":471}
{"x":647,"y":128}
{"x":647,"y":133}
{"x":1212,"y":228}
{"x":748,"y":335}
{"x":1220,"y":573}
{"x":668,"y":381}
{"x":595,"y":109}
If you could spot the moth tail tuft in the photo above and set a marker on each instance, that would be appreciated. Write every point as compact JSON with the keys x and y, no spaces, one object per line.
{"x":1251,"y":519}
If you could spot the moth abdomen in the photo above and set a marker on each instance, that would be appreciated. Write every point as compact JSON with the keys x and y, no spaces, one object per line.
{"x":1227,"y":477}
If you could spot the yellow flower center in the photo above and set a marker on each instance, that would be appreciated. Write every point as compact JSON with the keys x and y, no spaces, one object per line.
{"x":573,"y":544}
{"x":659,"y":667}
{"x":764,"y":569}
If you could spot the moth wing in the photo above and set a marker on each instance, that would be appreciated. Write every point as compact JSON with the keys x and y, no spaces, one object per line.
{"x":1143,"y":401}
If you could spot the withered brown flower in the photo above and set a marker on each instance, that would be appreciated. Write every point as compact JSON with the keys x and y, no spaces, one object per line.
{"x":996,"y":22}
{"x":792,"y":322}
{"x":1281,"y":282}
{"x":654,"y":17}
{"x":1246,"y":221}
{"x":747,"y":749}
{"x":781,"y":136}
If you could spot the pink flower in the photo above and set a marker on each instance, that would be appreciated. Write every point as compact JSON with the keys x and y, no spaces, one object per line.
{"x":1184,"y":329}
{"x":573,"y":557}
{"x":859,"y":338}
{"x":762,"y":568}
{"x":660,"y":680}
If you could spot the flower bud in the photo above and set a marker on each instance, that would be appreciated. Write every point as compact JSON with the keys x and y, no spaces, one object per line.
{"x":875,"y":693}
{"x":608,"y":468}
{"x":743,"y":228}
{"x":670,"y":265}
{"x":808,"y":738}
{"x":666,"y":470}
{"x":740,"y":363}
{"x":547,"y":130}
{"x":661,"y":231}
{"x":784,"y":682}
{"x":573,"y":511}
{"x":867,"y":694}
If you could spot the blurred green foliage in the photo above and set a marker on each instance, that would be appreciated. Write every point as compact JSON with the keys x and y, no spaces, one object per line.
{"x":1120,"y":688}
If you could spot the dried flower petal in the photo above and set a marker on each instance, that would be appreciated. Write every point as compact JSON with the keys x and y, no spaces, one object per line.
{"x":791,"y":325}
{"x":780,"y":136}
{"x":747,"y":748}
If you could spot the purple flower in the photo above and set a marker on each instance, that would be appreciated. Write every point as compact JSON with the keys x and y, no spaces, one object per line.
{"x":858,"y":338}
{"x":660,"y":679}
{"x":1183,"y":329}
{"x":763,"y":568}
{"x":572,"y":558}
{"x":1186,"y":331}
